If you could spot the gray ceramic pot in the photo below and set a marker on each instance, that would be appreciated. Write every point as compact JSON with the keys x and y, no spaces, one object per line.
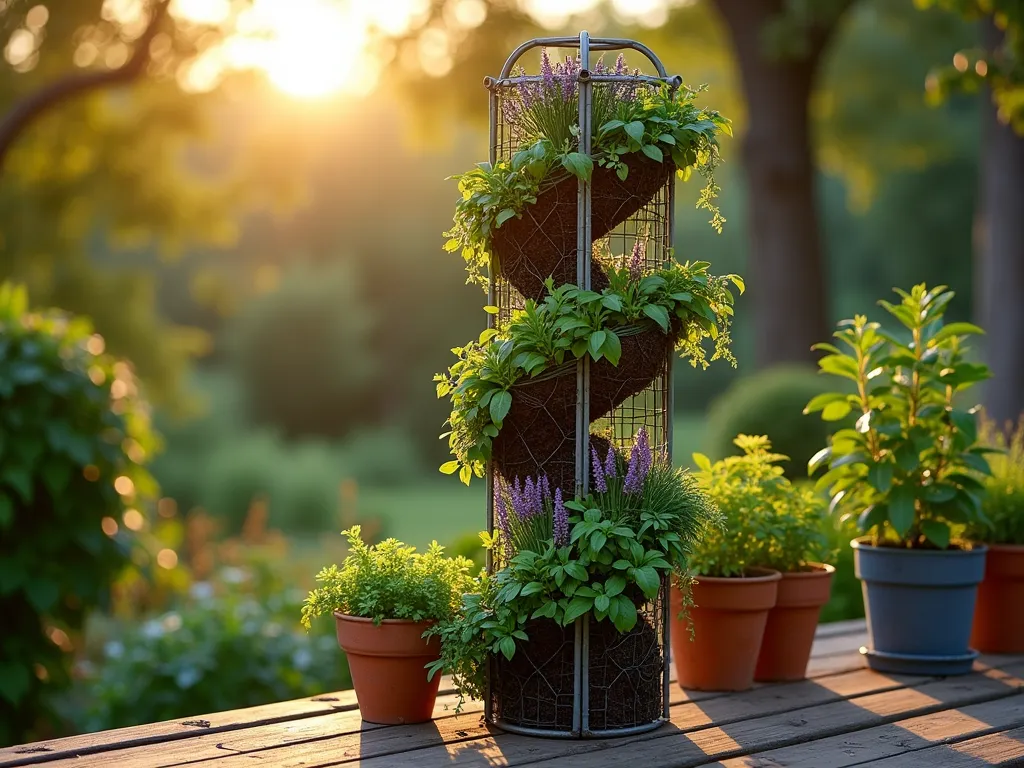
{"x":920,"y":605}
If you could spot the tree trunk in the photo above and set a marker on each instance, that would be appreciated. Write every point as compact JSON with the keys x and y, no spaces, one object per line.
{"x":24,"y":112}
{"x":999,"y":254}
{"x":786,"y":267}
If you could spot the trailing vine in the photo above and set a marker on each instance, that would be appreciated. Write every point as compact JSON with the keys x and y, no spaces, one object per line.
{"x":545,"y":339}
{"x":660,"y":124}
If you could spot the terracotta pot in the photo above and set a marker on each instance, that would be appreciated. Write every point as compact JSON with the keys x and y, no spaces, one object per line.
{"x":728,"y":622}
{"x":387,"y":665}
{"x":999,"y":613}
{"x":789,"y":633}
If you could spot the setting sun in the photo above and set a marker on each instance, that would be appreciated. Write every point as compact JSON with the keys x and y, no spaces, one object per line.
{"x":313,"y":48}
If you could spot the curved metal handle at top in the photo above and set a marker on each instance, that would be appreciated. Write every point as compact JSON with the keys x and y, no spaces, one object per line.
{"x":596,"y":44}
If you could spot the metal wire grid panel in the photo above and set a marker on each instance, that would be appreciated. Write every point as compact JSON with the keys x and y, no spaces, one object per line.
{"x":586,"y":679}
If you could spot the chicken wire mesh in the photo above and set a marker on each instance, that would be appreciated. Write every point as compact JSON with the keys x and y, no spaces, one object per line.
{"x":586,"y":679}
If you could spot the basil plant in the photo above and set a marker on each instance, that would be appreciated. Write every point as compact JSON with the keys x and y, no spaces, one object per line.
{"x":910,"y":468}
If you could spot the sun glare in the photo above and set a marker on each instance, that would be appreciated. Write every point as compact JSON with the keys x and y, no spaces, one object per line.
{"x":312,"y":47}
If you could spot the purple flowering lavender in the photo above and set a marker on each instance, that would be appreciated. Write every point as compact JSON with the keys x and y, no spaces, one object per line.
{"x":546,"y":70}
{"x":518,"y":507}
{"x":640,"y":462}
{"x":610,"y":464}
{"x":637,"y":258}
{"x":599,"y":481}
{"x":537,"y":499}
{"x":529,"y":499}
{"x":560,"y":521}
{"x":545,"y":487}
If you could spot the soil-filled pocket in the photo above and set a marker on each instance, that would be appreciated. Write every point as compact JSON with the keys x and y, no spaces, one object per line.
{"x":538,"y":435}
{"x":542,"y":243}
{"x":535,"y":688}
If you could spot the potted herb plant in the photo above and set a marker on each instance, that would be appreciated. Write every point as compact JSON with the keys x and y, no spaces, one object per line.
{"x":909,"y":472}
{"x":384,"y":598}
{"x":797,"y":547}
{"x":520,"y":215}
{"x":721,"y":607}
{"x":999,"y":614}
{"x":603,"y":559}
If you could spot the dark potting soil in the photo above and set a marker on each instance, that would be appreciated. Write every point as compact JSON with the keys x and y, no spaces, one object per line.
{"x":535,"y":688}
{"x":542,"y":243}
{"x":538,"y":435}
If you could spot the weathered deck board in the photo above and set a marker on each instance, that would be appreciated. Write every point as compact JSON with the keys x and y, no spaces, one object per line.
{"x":692,"y":743}
{"x":899,"y":738}
{"x":1006,"y":748}
{"x":844,"y":715}
{"x":836,"y":642}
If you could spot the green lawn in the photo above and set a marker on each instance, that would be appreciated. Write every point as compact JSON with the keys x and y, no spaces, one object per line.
{"x":442,"y":508}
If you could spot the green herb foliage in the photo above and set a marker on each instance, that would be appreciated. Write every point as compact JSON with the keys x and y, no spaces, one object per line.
{"x":768,"y":521}
{"x":569,"y":324}
{"x":621,"y":548}
{"x":910,"y":466}
{"x":1003,"y":503}
{"x":659,"y":123}
{"x":71,"y":424}
{"x":390,"y":581}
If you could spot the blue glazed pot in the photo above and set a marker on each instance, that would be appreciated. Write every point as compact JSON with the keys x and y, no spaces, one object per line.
{"x":920,"y":606}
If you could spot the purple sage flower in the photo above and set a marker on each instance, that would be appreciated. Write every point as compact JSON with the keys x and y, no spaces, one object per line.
{"x":636,"y":259}
{"x":640,"y":461}
{"x":570,"y":76}
{"x":599,"y":482}
{"x":610,"y":464}
{"x":560,"y":521}
{"x":537,"y":500}
{"x":518,"y":503}
{"x":529,"y":498}
{"x":545,"y":488}
{"x":546,"y":71}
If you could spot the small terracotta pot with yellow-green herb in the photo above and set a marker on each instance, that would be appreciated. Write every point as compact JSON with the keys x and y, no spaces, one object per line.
{"x":384,"y":598}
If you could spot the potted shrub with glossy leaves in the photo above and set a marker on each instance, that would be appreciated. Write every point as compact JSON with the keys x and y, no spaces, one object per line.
{"x":999,"y":615}
{"x":384,"y":598}
{"x":723,"y":609}
{"x":909,"y":471}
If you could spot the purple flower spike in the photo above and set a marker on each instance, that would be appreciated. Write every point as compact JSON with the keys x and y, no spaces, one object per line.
{"x":636,"y":259}
{"x":620,"y":65}
{"x":560,"y":523}
{"x":529,"y":498}
{"x":610,"y":468}
{"x":599,"y":482}
{"x":546,"y":71}
{"x":546,"y":488}
{"x":518,"y":505}
{"x":569,"y":74}
{"x":640,"y":461}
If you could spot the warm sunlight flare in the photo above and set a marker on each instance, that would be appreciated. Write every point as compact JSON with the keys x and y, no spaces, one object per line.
{"x":316,"y":48}
{"x":314,"y":45}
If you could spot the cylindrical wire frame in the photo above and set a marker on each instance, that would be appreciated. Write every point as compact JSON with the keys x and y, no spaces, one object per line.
{"x":655,"y":224}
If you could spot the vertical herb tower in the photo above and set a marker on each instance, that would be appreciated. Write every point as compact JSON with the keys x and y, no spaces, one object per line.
{"x":567,"y":395}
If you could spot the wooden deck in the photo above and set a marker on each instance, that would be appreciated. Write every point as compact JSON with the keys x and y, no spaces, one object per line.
{"x":843,"y":715}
